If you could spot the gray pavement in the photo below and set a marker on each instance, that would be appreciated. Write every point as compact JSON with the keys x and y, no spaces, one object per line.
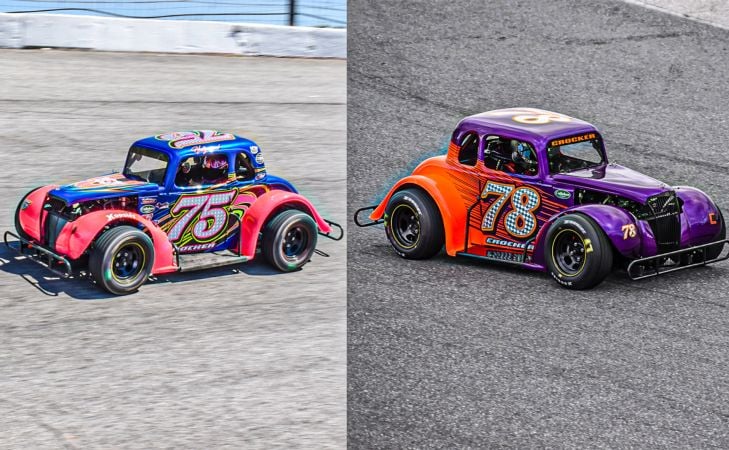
{"x":210,"y":359}
{"x":448,"y":353}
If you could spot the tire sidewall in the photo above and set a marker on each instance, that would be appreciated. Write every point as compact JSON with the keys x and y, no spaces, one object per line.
{"x":426,"y":224}
{"x":109,"y":280}
{"x":593,"y":268}
{"x":279,"y":258}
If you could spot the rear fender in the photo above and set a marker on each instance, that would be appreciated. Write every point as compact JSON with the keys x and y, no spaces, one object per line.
{"x":452,"y":213}
{"x":29,"y":217}
{"x":261,"y":210}
{"x":77,"y":236}
{"x":615,"y":223}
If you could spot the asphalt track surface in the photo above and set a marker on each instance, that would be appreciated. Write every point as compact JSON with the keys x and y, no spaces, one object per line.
{"x":213,"y":359}
{"x":449,"y":353}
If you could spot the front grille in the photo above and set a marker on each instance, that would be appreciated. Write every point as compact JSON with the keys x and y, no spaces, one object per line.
{"x":53,"y":226}
{"x":665,"y":222}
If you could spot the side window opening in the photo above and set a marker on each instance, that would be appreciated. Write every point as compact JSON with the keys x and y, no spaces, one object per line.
{"x":468,"y":154}
{"x":244,"y":170}
{"x":202,"y":170}
{"x":510,"y":156}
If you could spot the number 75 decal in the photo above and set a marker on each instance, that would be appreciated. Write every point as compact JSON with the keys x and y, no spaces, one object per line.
{"x":520,"y":222}
{"x":206,"y":210}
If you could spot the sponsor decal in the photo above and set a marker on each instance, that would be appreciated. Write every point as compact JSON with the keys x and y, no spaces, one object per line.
{"x":572,"y":139}
{"x":25,"y":204}
{"x":114,"y":216}
{"x":147,"y":209}
{"x":259,"y":158}
{"x":260,"y":176}
{"x":196,"y":247}
{"x":505,"y":243}
{"x":148,"y":216}
{"x":147,"y":200}
{"x":628,"y":231}
{"x":561,"y":193}
{"x":201,"y":150}
{"x":254,"y":149}
{"x":505,"y":256}
{"x":162,"y":205}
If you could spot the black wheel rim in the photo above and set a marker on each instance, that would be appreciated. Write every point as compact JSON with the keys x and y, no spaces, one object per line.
{"x":568,"y":251}
{"x":405,"y":226}
{"x":295,"y":241}
{"x":128,"y":261}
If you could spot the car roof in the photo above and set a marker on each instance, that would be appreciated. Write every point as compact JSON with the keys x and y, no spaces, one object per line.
{"x":182,"y":144}
{"x":529,"y":124}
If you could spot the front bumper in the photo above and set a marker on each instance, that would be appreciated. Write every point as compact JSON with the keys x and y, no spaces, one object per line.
{"x":47,"y":258}
{"x":684,"y":258}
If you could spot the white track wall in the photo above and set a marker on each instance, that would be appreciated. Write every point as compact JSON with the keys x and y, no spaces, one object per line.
{"x":168,"y":36}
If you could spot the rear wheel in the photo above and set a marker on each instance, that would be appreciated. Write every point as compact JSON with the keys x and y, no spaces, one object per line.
{"x":578,"y":253}
{"x":714,"y":251}
{"x":289,"y":240}
{"x":413,"y":224}
{"x":121,"y":259}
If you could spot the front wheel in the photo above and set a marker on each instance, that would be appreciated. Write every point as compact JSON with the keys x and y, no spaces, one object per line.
{"x":578,"y":253}
{"x":121,"y":259}
{"x":289,"y":240}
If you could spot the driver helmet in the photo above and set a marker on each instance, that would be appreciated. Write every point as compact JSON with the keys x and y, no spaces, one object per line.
{"x":215,"y":166}
{"x":522,"y":153}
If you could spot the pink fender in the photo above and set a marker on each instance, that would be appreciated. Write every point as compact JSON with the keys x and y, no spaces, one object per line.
{"x":260,"y":211}
{"x":30,"y":217}
{"x":77,"y":236}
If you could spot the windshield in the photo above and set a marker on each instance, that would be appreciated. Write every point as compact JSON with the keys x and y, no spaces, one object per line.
{"x":145,"y":164}
{"x":575,"y":153}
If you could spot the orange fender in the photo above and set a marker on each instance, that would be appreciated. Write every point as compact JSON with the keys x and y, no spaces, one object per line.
{"x":448,"y":200}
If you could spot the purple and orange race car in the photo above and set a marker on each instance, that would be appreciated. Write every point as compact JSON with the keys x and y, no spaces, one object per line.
{"x":534,"y":188}
{"x":180,"y":195}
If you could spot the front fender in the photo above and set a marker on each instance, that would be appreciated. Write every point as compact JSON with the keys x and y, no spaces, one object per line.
{"x":29,"y":218}
{"x":454,"y":219}
{"x":611,"y":219}
{"x":77,"y":236}
{"x":258,"y":214}
{"x":699,"y":211}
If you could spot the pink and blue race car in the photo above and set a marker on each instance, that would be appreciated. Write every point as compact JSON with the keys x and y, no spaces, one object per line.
{"x":179,"y":195}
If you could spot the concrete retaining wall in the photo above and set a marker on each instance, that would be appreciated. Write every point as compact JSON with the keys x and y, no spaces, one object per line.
{"x":168,"y":36}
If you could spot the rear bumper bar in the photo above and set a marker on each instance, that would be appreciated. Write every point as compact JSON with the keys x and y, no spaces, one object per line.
{"x":367,"y":222}
{"x":41,"y":255}
{"x":681,"y":259}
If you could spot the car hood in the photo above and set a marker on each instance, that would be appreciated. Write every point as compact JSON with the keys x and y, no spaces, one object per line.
{"x":617,"y":180}
{"x":106,"y":186}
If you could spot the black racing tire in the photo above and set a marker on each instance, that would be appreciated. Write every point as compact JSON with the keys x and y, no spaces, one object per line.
{"x":577,"y":252}
{"x":714,"y":251}
{"x":414,"y":225}
{"x":18,"y":228}
{"x":289,"y":240}
{"x":121,"y":259}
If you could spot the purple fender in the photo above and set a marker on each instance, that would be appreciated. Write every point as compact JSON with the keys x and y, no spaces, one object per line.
{"x":701,"y":219}
{"x":77,"y":236}
{"x":258,"y":214}
{"x":612,"y":220}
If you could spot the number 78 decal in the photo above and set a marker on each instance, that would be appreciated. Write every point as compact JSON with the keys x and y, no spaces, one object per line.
{"x":520,"y":222}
